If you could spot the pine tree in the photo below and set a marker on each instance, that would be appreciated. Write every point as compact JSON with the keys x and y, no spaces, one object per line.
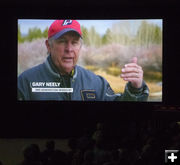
{"x":20,"y":38}
{"x":85,"y":35}
{"x":45,"y":33}
{"x":108,"y":37}
{"x":93,"y":37}
{"x":149,"y":34}
{"x":34,"y":33}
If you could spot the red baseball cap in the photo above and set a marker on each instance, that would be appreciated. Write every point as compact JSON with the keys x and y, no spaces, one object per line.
{"x":59,"y":27}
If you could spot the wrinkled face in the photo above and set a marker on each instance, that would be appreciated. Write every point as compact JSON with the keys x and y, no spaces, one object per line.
{"x":65,"y":51}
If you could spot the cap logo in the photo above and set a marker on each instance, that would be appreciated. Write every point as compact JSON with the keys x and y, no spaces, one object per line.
{"x":67,"y":22}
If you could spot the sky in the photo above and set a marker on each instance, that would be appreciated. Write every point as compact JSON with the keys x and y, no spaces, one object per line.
{"x":100,"y":25}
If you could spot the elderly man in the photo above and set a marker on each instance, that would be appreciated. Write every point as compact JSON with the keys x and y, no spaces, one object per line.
{"x":59,"y":78}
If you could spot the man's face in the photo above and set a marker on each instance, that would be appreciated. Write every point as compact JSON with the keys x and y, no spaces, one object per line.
{"x":65,"y":51}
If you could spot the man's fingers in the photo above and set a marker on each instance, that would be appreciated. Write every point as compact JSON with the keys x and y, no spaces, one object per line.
{"x":136,"y":82}
{"x":132,"y":69}
{"x":131,"y":75}
{"x":130,"y":79}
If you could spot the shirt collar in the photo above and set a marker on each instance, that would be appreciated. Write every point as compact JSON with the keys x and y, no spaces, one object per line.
{"x":73,"y":73}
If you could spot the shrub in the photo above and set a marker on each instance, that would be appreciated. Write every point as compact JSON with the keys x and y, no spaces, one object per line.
{"x":31,"y":54}
{"x":91,"y":68}
{"x":153,"y":76}
{"x":115,"y":71}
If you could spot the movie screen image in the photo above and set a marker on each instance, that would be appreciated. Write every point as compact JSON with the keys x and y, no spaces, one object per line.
{"x":90,"y":60}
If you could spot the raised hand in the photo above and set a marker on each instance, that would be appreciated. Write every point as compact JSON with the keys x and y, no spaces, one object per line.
{"x":133,"y":73}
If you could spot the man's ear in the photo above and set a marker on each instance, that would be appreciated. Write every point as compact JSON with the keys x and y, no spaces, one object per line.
{"x":47,"y":45}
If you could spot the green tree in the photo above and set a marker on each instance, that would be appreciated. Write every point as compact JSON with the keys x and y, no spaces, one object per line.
{"x":20,"y":38}
{"x":107,"y":37}
{"x":157,"y":35}
{"x":149,"y":34}
{"x":94,"y":39}
{"x":85,"y":35}
{"x":142,"y":33}
{"x":45,"y":33}
{"x":34,"y":33}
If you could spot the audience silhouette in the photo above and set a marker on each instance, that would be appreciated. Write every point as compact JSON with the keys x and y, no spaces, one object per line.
{"x":52,"y":156}
{"x":48,"y":152}
{"x":31,"y":155}
{"x":138,"y":145}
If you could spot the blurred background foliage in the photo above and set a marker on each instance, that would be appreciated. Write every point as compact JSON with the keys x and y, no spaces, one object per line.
{"x":147,"y":34}
{"x":105,"y":54}
{"x":33,"y":33}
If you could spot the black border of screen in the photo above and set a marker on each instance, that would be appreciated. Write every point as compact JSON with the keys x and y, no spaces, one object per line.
{"x":18,"y":116}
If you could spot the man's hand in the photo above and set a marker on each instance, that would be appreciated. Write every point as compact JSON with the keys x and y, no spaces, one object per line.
{"x":133,"y":73}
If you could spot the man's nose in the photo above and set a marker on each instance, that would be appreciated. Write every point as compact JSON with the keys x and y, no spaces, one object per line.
{"x":69,"y":46}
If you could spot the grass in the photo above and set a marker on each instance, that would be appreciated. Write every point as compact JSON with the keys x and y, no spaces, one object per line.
{"x":118,"y":83}
{"x":150,"y":75}
{"x":116,"y":71}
